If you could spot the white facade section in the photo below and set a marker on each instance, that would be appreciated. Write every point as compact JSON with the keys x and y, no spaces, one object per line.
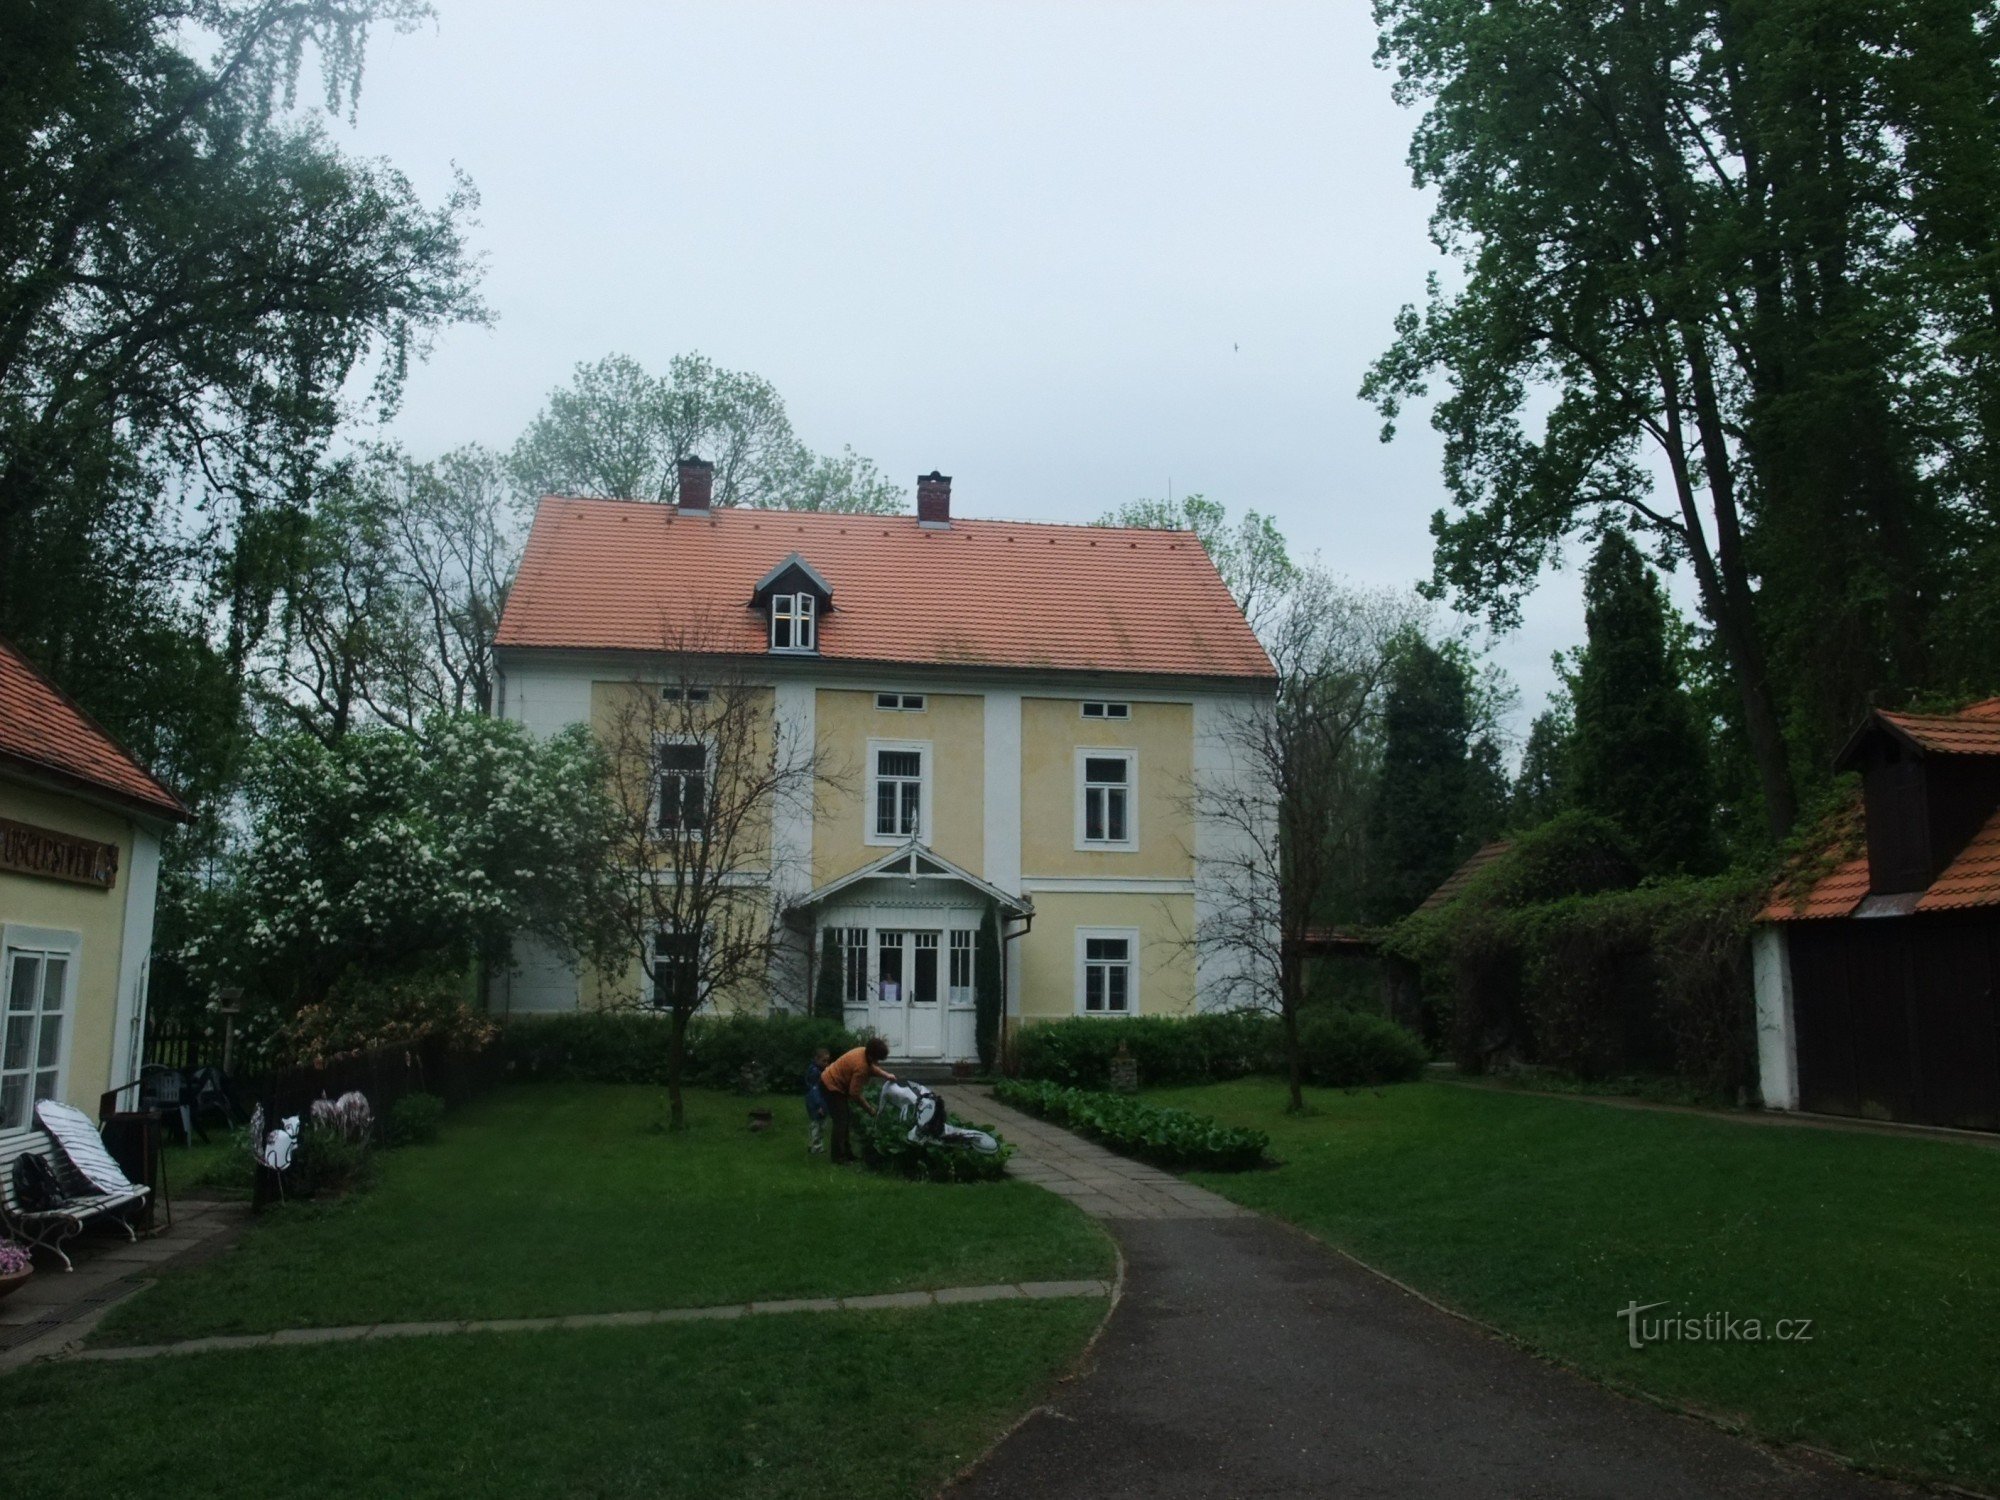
{"x":542,"y":979}
{"x":546,"y":698}
{"x":1777,"y":1038}
{"x":142,"y":888}
{"x":1228,"y":857}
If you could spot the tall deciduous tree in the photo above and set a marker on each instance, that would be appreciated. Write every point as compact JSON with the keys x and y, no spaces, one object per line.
{"x":618,"y":430}
{"x":703,"y":772}
{"x":1745,"y":249}
{"x":1638,"y":757}
{"x":195,"y":284}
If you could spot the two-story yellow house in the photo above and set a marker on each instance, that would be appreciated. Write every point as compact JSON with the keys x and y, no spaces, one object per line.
{"x":1029,"y":709}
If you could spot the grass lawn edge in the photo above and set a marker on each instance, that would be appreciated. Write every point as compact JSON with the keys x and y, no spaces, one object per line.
{"x":1078,"y":1366}
{"x":1690,"y":1410}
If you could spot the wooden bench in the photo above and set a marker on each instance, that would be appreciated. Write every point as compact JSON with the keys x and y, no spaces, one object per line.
{"x":82,"y":1202}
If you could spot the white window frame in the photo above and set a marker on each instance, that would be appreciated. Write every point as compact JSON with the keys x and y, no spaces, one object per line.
{"x":1130,"y":843}
{"x":801,"y":612}
{"x":900,"y":703}
{"x":891,"y":840}
{"x":692,"y":695}
{"x":852,"y":945}
{"x":1130,"y":935}
{"x":659,"y":774}
{"x":1104,"y":709}
{"x":45,"y":942}
{"x":962,"y":941}
{"x":653,"y":1001}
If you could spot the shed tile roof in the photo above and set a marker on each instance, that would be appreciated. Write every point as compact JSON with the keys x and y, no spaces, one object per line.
{"x":1972,"y":879}
{"x":1835,"y":894}
{"x":1954,"y":734}
{"x":1455,"y":883}
{"x":619,"y":575}
{"x":43,"y":730}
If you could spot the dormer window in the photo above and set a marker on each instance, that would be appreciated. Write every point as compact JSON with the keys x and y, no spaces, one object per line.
{"x":794,"y":622}
{"x":793,"y":597}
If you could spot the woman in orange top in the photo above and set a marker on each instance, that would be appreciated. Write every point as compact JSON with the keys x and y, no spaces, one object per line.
{"x":842,"y":1083}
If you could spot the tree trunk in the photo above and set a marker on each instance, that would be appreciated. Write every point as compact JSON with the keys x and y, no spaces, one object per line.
{"x":1289,"y":994}
{"x":677,"y":1027}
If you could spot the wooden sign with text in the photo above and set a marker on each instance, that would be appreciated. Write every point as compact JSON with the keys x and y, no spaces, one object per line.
{"x":28,"y":850}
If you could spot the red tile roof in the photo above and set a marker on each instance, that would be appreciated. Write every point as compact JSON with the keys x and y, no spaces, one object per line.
{"x":43,"y":731}
{"x":1974,"y":732}
{"x":1833,"y":895}
{"x":1973,"y":879}
{"x":1455,"y":883}
{"x":620,"y":575}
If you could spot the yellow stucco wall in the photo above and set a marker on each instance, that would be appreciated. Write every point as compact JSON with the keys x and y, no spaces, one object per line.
{"x":1047,"y":955}
{"x":952,"y":724}
{"x":1162,"y":734}
{"x":97,"y":915}
{"x":622,"y":712}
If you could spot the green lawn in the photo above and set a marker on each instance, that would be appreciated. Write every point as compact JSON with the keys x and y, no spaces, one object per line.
{"x":556,"y":1198}
{"x":750,"y":1409}
{"x":1544,"y":1217}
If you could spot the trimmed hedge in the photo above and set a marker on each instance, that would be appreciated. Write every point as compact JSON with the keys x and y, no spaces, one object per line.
{"x":1344,"y":1049}
{"x":1176,"y":1139}
{"x":631,"y":1047}
{"x":1197,"y":1049}
{"x":1341,"y":1049}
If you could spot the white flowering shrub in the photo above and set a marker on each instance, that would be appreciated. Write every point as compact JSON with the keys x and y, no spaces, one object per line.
{"x":377,"y":870}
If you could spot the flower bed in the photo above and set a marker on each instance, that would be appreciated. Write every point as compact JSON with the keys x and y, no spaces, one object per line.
{"x":1173,"y":1138}
{"x":886,"y":1147}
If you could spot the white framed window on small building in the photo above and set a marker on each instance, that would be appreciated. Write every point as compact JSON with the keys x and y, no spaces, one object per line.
{"x":680,"y":798}
{"x":959,"y":986}
{"x":38,"y":970}
{"x":1107,"y":971}
{"x":899,"y":791}
{"x":1107,"y":798}
{"x":795,"y":622}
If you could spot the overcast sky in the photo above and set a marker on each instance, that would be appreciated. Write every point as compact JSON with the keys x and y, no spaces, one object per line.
{"x":1070,"y":253}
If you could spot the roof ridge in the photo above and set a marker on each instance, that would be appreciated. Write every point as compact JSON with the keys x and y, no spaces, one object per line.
{"x":90,"y":722}
{"x":866,"y":516}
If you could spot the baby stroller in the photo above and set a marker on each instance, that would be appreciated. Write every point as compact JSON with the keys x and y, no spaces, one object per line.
{"x":924,"y":1108}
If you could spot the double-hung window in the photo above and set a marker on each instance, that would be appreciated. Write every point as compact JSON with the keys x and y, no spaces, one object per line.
{"x":854,"y":967}
{"x":1107,"y":984}
{"x":676,"y":969}
{"x":39,"y":981}
{"x":794,"y":622}
{"x":1105,"y":799}
{"x":681,"y":808}
{"x":896,"y":792}
{"x":960,"y":986}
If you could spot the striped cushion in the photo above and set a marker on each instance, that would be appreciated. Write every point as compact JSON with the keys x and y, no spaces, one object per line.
{"x":83,"y":1146}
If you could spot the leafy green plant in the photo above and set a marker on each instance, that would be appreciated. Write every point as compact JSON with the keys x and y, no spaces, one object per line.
{"x":413,"y":1120}
{"x":1195,"y":1049}
{"x":886,"y":1147}
{"x":1345,"y":1049}
{"x":327,"y":1164}
{"x":1177,"y":1139}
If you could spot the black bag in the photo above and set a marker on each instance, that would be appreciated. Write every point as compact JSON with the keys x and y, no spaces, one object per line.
{"x":36,"y":1187}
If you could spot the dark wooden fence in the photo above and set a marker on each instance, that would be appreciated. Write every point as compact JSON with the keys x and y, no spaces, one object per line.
{"x":384,"y":1075}
{"x":177,"y":1044}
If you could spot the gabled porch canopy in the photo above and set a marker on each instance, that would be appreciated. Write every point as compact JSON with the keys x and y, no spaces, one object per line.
{"x":918,"y":865}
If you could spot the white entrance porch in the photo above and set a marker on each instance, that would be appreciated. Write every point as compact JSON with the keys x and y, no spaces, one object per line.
{"x":906,"y":936}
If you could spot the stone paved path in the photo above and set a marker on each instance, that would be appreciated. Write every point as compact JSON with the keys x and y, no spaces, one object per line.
{"x":57,"y":1308}
{"x":1246,"y":1359}
{"x":1102,"y":1183}
{"x":949,"y":1296}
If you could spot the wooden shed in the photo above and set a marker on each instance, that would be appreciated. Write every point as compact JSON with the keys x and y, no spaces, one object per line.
{"x":1877,"y":977}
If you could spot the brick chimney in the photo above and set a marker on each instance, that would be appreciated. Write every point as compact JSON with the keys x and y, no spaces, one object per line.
{"x":697,"y":484}
{"x":934,"y":499}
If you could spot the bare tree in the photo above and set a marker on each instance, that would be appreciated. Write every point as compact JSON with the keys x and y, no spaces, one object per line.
{"x":704,"y":773}
{"x":1282,"y":816}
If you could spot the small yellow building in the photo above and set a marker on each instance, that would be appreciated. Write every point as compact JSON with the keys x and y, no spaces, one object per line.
{"x":80,"y":829}
{"x":1029,"y":717}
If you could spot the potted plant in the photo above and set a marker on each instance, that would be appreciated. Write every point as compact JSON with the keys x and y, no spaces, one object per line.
{"x":15,"y":1266}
